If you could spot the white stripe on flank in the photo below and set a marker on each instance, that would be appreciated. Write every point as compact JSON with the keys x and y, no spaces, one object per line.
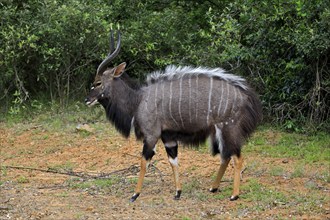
{"x":146,"y":101}
{"x":196,"y":89}
{"x":220,"y":100}
{"x":240,"y":101}
{"x":234,"y":102}
{"x":163,"y":98}
{"x":170,"y":105}
{"x":156,"y":91}
{"x":189,"y":98}
{"x":226,"y":98}
{"x":209,"y":105}
{"x":180,"y":99}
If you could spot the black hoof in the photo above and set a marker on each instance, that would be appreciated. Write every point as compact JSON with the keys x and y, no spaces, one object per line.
{"x":213,"y":190}
{"x":134,"y":197}
{"x":177,"y":195}
{"x":233,"y":198}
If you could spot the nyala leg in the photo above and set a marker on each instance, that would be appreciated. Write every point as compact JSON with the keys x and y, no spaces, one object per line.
{"x":147,"y":153}
{"x":238,"y":163}
{"x":221,"y":172}
{"x":172,"y":153}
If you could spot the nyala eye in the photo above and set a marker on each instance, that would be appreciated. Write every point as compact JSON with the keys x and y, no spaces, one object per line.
{"x":97,"y":84}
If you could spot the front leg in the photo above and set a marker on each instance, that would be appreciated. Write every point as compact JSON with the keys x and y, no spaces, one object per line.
{"x":172,"y":153}
{"x":147,"y":154}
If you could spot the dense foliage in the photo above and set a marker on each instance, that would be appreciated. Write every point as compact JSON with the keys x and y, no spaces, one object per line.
{"x":49,"y":49}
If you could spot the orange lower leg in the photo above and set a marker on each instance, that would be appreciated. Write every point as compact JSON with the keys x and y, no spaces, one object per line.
{"x":221,"y":172}
{"x":175,"y":169}
{"x":140,"y":180}
{"x":238,"y":163}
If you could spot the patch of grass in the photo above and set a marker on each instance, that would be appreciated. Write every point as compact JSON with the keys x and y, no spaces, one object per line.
{"x":84,"y":134}
{"x":62,"y":194}
{"x":299,"y":171}
{"x":104,"y":183}
{"x":133,"y":180}
{"x":68,"y":166}
{"x":79,"y":216}
{"x":255,"y":168}
{"x":309,"y":148}
{"x":204,"y":148}
{"x":202,"y":195}
{"x":311,"y":185}
{"x":55,"y":118}
{"x":4,"y":171}
{"x":192,"y":189}
{"x":80,"y":185}
{"x":51,"y":150}
{"x":96,"y":183}
{"x":25,"y":151}
{"x":192,"y":186}
{"x":262,"y":197}
{"x":225,"y":193}
{"x":324,"y":176}
{"x":308,"y":203}
{"x":22,"y":179}
{"x":276,"y":171}
{"x":193,"y":168}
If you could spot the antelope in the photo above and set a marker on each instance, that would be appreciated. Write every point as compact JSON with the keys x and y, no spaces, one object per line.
{"x":181,"y":104}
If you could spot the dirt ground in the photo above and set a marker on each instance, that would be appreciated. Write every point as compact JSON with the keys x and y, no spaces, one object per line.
{"x":36,"y":194}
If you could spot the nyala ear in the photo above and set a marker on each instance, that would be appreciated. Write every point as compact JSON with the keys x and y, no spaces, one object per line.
{"x":119,"y":70}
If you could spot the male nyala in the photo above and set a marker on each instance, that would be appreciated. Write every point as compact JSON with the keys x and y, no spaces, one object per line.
{"x":179,"y":105}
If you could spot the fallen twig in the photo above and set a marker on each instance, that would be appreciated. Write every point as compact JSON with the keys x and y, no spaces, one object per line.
{"x":241,"y":174}
{"x":84,"y":175}
{"x":160,"y":172}
{"x":132,"y":155}
{"x":70,"y":173}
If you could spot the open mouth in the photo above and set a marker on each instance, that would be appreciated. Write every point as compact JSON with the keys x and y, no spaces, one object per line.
{"x":91,"y":103}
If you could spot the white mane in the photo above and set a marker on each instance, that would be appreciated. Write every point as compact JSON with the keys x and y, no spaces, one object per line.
{"x":176,"y":72}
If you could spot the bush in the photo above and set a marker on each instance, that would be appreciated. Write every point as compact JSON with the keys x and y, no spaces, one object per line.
{"x":283,"y":48}
{"x":49,"y":50}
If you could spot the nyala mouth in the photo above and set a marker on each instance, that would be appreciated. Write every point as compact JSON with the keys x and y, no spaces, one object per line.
{"x":91,"y":103}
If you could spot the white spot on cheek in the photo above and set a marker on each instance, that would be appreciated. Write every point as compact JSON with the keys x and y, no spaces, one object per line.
{"x":174,"y":161}
{"x":92,"y":88}
{"x":102,"y":95}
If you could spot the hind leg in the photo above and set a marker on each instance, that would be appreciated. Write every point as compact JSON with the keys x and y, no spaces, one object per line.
{"x":221,"y":172}
{"x":217,"y":148}
{"x":225,"y":142}
{"x":238,"y":163}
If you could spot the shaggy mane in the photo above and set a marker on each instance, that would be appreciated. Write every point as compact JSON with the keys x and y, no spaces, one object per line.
{"x":177,"y":72}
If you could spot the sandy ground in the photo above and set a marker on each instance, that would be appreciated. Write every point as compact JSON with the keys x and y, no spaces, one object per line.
{"x":36,"y":194}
